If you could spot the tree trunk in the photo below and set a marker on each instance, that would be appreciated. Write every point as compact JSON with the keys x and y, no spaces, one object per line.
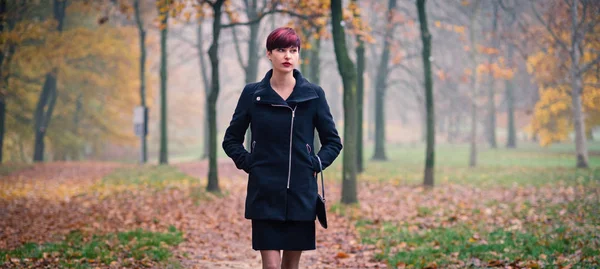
{"x":43,"y":114}
{"x":2,"y":74}
{"x":163,"y":155}
{"x":423,"y":122}
{"x":305,"y":61}
{"x":335,"y":99}
{"x":430,"y":151}
{"x":48,"y":95}
{"x":213,"y":54}
{"x":2,"y":124}
{"x":315,"y":78}
{"x":251,"y":68}
{"x":381,"y":87}
{"x":491,"y":130}
{"x":474,"y":92}
{"x":360,"y":92}
{"x":511,"y":141}
{"x":77,"y":152}
{"x":577,"y":89}
{"x":348,"y":73}
{"x":142,"y":32}
{"x":205,"y":80}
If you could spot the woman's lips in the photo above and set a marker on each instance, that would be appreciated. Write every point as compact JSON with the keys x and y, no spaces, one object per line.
{"x":287,"y":64}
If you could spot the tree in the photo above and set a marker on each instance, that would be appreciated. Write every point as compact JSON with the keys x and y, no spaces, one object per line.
{"x":381,"y":85}
{"x":217,"y":8}
{"x":430,"y":151}
{"x":511,"y":139}
{"x":163,"y":16}
{"x":491,"y":126}
{"x":7,"y":24}
{"x":49,"y":92}
{"x":474,"y":91}
{"x":206,"y":84}
{"x":249,"y":66}
{"x":360,"y":90}
{"x":142,"y":33}
{"x":348,"y":73}
{"x":571,"y":34}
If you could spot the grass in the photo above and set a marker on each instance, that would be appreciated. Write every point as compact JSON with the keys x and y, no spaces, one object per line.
{"x":528,"y":165}
{"x":154,"y":176}
{"x":132,"y":248}
{"x":570,"y":237}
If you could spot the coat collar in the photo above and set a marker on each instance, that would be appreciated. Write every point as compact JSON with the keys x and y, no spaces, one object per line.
{"x":302,"y":91}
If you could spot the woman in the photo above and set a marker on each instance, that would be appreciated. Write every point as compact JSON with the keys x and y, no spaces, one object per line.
{"x":283,"y":111}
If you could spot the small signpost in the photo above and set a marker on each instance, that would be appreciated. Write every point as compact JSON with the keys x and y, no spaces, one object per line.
{"x":140,"y":127}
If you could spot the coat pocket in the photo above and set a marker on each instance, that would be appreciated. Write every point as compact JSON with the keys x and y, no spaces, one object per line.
{"x":252,"y":153}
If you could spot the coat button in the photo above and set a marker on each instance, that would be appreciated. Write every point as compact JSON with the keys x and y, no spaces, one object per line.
{"x":258,"y":98}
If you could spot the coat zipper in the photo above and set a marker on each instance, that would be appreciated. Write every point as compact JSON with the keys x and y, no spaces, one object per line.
{"x":291,"y":135}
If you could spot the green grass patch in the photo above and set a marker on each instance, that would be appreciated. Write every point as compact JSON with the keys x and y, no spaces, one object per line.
{"x":79,"y":251}
{"x":569,"y":235}
{"x":527,"y":165}
{"x":152,"y":176}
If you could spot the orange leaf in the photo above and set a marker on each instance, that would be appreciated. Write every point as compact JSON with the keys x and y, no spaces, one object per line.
{"x":341,"y":255}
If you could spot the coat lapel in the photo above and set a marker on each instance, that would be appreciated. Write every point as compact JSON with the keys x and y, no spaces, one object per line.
{"x":302,"y":91}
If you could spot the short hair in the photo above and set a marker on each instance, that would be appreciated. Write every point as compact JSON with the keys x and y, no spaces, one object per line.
{"x":283,"y":37}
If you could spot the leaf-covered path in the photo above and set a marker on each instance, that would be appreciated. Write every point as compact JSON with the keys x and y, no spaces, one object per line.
{"x":454,"y":225}
{"x":47,"y":201}
{"x":223,"y":240}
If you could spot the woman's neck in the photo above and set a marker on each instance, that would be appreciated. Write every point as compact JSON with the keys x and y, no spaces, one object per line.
{"x":282,"y":80}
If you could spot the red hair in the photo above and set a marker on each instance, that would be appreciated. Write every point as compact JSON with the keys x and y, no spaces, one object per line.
{"x":283,"y":37}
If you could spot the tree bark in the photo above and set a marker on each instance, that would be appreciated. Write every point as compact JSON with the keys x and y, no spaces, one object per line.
{"x":474,"y":91}
{"x":205,"y":80}
{"x":428,"y":178}
{"x":381,"y":87}
{"x":48,"y":94}
{"x":577,"y":89}
{"x":163,"y":154}
{"x":251,"y":68}
{"x":213,"y":54}
{"x":43,"y":114}
{"x":315,"y":78}
{"x":2,"y":74}
{"x":360,"y":92}
{"x":491,"y":91}
{"x":142,"y":33}
{"x":348,"y":73}
{"x":511,"y":141}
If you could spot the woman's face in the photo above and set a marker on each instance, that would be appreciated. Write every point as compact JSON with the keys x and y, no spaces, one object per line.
{"x":284,"y":59}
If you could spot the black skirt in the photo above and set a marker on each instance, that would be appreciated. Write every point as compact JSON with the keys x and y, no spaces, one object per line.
{"x":283,"y":235}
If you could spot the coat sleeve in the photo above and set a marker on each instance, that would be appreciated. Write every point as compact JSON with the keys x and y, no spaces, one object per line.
{"x":234,"y":135}
{"x":328,"y":134}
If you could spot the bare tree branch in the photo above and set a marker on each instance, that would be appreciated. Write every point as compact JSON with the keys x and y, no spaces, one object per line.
{"x":262,"y":15}
{"x":587,"y":66}
{"x":236,"y":43}
{"x":548,"y":28}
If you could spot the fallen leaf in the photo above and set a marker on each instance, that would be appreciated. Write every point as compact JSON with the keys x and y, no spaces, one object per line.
{"x":342,"y":255}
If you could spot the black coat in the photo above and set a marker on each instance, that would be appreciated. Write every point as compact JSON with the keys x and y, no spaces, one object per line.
{"x":281,"y":164}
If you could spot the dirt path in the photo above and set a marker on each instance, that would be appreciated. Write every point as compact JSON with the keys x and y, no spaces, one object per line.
{"x":227,"y":244}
